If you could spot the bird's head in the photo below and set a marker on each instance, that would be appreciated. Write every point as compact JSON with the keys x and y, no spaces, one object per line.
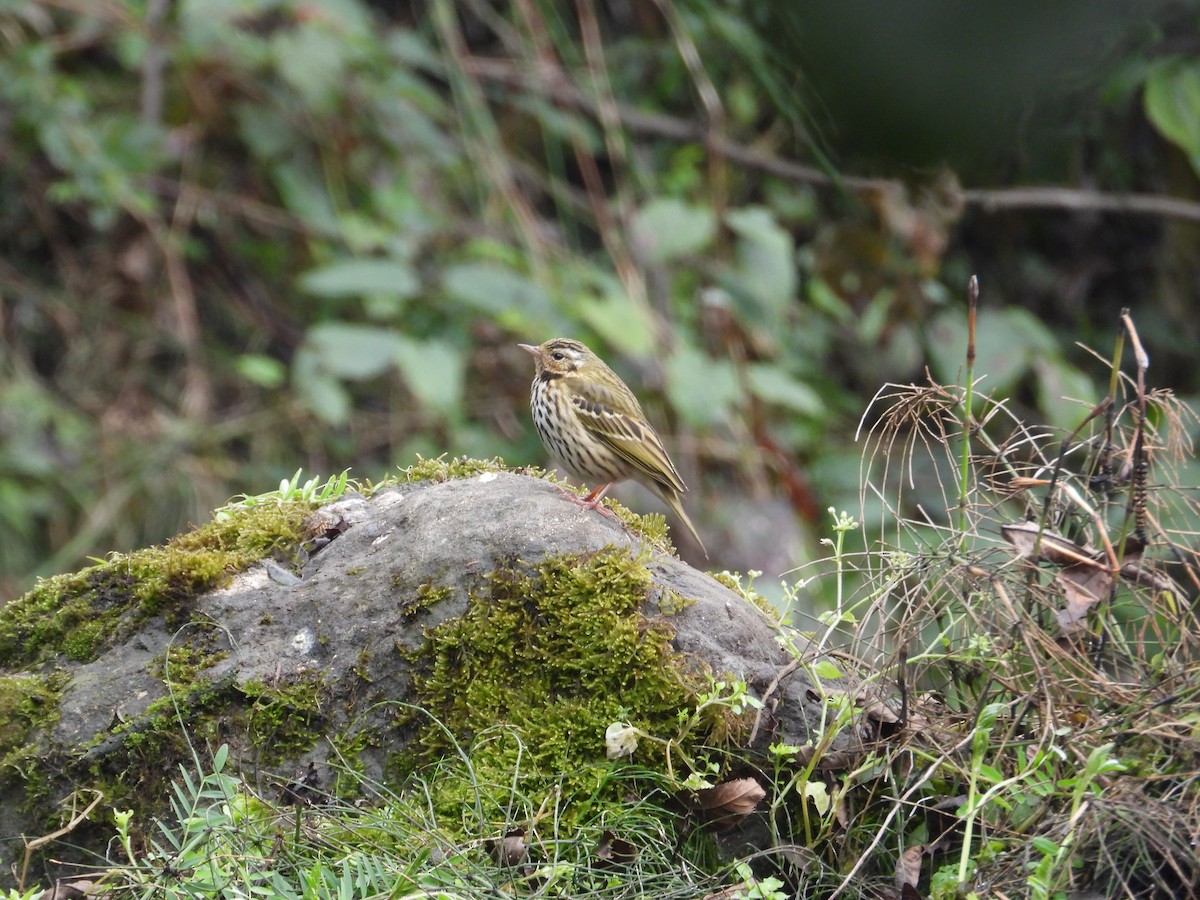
{"x":559,"y":357}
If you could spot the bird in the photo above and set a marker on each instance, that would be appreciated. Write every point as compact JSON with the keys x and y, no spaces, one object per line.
{"x":591,"y":421}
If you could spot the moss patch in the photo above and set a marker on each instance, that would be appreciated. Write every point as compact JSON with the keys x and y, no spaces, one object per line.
{"x":28,"y":706}
{"x":284,"y":719}
{"x":541,"y":664}
{"x":77,"y":615}
{"x":443,"y":469}
{"x":426,"y":596}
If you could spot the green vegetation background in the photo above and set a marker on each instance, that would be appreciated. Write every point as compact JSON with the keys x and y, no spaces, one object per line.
{"x":239,"y":237}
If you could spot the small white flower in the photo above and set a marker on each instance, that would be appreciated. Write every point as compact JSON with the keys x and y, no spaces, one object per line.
{"x":621,"y":740}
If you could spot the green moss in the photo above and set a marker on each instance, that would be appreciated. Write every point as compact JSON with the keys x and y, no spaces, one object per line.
{"x":673,"y":602}
{"x":541,"y":664}
{"x":28,"y":706}
{"x":185,"y":663}
{"x":78,"y":614}
{"x":362,"y":666}
{"x":347,"y":750}
{"x":443,"y":469}
{"x":426,"y":596}
{"x":284,"y":718}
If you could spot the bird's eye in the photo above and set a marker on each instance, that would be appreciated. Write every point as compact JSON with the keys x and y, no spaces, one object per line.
{"x":559,"y":355}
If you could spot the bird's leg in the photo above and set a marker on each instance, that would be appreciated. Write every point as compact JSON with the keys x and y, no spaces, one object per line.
{"x":592,"y":500}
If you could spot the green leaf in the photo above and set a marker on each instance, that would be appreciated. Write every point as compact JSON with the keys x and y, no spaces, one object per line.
{"x":665,"y":229}
{"x":702,"y":389}
{"x":516,"y":302}
{"x":818,"y":793}
{"x":1064,"y":393}
{"x":771,"y":384}
{"x":354,"y":352}
{"x":321,"y":392}
{"x":825,"y":669}
{"x":1172,"y":102}
{"x":356,"y":277}
{"x":1044,"y":845}
{"x":312,"y":59}
{"x":766,"y":257}
{"x":304,"y":194}
{"x":1006,"y":343}
{"x":433,"y":371}
{"x":624,"y":324}
{"x":265,"y":371}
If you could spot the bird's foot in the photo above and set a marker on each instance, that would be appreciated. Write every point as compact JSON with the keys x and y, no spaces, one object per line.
{"x":591,"y":501}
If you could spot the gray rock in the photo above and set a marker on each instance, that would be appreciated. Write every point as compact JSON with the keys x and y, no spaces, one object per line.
{"x":342,"y":617}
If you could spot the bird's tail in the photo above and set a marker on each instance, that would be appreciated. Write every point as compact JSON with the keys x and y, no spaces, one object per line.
{"x":673,"y":501}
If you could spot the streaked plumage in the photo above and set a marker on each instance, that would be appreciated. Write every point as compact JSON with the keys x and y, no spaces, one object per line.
{"x":591,"y":421}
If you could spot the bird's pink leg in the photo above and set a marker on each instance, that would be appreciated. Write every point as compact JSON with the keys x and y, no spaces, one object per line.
{"x":592,"y":500}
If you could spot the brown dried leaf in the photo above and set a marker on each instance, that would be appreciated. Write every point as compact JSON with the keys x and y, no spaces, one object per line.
{"x":801,"y":858}
{"x":876,"y":709}
{"x":70,"y":890}
{"x":615,"y":851}
{"x":738,"y":796}
{"x":510,"y":850}
{"x":1083,"y":586}
{"x":1052,"y":548}
{"x":729,"y":801}
{"x":908,"y":866}
{"x":840,"y":814}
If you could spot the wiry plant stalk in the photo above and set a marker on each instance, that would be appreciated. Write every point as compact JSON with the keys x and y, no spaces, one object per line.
{"x":964,"y":466}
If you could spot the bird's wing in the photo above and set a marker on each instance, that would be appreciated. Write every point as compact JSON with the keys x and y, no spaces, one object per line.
{"x":616,"y":419}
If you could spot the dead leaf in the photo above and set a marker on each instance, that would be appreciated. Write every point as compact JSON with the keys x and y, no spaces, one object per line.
{"x":1052,"y":548}
{"x":840,"y":814}
{"x":1086,"y":576}
{"x":728,"y":802}
{"x":510,"y":850}
{"x":908,"y":866}
{"x":801,"y":858}
{"x":70,"y":890}
{"x":304,"y":789}
{"x":614,"y":851}
{"x":1082,"y":586}
{"x":876,"y":709}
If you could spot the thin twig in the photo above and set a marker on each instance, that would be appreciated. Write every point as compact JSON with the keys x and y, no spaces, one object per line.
{"x":987,"y":200}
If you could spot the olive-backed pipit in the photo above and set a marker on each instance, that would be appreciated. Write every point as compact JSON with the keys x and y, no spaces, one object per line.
{"x":590,"y":419}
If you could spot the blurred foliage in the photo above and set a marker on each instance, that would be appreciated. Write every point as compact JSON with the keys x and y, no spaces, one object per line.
{"x":243,"y":236}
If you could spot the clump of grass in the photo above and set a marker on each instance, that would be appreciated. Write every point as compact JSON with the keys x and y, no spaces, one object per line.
{"x":1028,"y":605}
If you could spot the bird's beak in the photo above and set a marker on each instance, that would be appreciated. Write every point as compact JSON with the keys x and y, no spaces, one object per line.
{"x":529,"y":348}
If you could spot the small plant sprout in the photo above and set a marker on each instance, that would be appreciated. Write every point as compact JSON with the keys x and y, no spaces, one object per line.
{"x":621,"y":739}
{"x":291,"y":490}
{"x":755,"y":889}
{"x":843,"y":523}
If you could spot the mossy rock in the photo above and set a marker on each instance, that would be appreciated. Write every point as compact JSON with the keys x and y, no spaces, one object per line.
{"x":433,"y":613}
